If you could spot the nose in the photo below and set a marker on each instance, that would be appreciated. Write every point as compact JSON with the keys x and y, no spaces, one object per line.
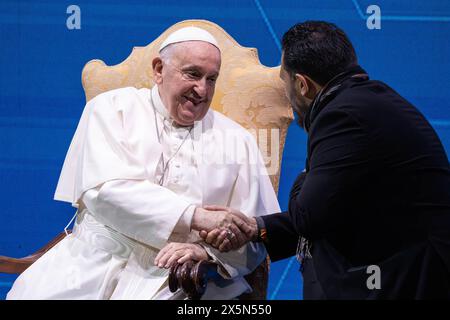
{"x":201,"y":88}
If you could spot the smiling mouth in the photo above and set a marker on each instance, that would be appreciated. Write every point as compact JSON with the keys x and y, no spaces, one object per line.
{"x":195,"y":102}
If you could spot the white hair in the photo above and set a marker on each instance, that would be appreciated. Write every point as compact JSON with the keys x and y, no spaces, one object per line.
{"x":166,"y":53}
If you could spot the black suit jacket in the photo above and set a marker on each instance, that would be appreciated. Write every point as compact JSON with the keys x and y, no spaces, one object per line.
{"x":376,"y":192}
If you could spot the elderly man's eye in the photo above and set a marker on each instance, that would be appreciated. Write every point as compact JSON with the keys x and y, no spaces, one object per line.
{"x":192,"y":74}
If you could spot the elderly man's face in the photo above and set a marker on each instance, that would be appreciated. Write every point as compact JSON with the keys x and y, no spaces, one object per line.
{"x":187,"y":81}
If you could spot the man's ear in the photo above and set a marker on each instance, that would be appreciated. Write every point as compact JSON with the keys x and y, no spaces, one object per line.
{"x":301,"y":84}
{"x":305,"y":86}
{"x":157,"y":66}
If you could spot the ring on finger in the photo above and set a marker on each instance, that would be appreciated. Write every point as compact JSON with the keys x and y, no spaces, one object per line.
{"x":230,"y":234}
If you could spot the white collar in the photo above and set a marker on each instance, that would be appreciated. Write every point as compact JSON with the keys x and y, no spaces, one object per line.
{"x":158,"y":104}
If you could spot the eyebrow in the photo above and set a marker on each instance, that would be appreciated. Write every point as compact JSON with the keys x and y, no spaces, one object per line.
{"x":196,"y":67}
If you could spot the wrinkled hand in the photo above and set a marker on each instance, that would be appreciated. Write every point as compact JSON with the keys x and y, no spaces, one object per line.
{"x":176,"y":252}
{"x":234,"y":236}
{"x":216,"y":217}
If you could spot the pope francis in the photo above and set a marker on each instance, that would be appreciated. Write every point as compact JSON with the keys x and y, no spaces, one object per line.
{"x":142,"y":168}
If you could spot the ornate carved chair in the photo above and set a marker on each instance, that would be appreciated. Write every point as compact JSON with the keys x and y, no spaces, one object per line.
{"x":246,"y":91}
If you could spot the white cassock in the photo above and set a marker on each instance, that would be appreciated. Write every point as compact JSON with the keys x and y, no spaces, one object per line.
{"x":136,"y":180}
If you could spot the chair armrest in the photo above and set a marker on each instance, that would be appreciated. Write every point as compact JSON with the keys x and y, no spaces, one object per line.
{"x":19,"y":265}
{"x":193,"y":276}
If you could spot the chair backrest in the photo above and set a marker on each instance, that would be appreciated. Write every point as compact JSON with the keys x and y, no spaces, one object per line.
{"x":246,"y":91}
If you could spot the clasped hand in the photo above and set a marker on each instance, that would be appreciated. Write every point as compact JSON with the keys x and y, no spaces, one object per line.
{"x":223,"y":228}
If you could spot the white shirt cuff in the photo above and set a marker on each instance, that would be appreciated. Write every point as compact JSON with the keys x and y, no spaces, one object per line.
{"x":183,"y":226}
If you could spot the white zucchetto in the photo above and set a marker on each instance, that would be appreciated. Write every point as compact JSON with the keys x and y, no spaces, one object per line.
{"x":189,"y":34}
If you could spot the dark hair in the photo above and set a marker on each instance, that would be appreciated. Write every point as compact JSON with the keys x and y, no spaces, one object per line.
{"x":317,"y":49}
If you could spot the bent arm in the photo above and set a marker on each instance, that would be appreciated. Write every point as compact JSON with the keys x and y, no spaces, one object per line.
{"x":338,"y":171}
{"x":140,"y":210}
{"x":282,"y":238}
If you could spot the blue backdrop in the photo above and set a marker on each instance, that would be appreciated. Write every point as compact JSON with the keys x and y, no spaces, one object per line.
{"x":41,"y":98}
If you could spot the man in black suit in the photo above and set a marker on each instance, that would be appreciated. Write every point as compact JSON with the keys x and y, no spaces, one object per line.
{"x":369,"y":218}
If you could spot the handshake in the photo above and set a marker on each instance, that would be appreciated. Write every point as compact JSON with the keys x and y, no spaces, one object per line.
{"x":224,"y":228}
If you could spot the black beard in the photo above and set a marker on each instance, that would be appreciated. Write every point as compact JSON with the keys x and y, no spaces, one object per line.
{"x":300,"y":114}
{"x":300,"y":119}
